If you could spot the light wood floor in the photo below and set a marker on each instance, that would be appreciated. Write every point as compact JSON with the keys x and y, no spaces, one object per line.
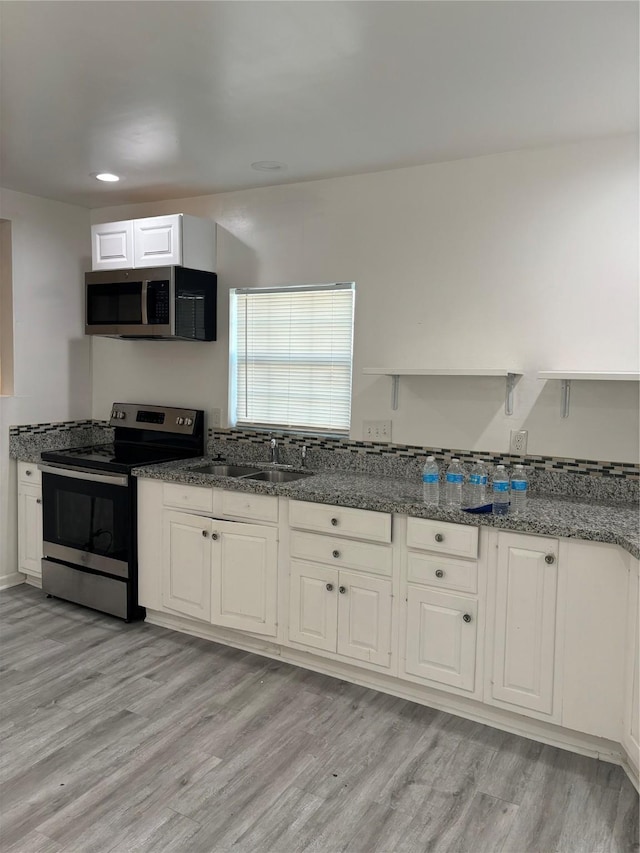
{"x":119,"y":738}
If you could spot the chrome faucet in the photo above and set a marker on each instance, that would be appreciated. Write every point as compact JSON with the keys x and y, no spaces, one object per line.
{"x":273,"y":444}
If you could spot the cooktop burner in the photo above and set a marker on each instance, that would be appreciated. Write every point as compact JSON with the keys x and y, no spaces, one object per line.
{"x":111,"y":457}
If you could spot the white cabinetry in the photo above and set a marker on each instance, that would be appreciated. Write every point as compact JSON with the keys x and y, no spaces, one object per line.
{"x":631,"y":713}
{"x":441,"y":623}
{"x":30,"y":522}
{"x":223,"y":572}
{"x":525,"y":655}
{"x":186,"y":571}
{"x":342,"y":602}
{"x":155,"y":241}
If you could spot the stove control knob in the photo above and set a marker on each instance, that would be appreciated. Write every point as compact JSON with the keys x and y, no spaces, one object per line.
{"x":114,"y":414}
{"x":188,"y":421}
{"x":179,"y":421}
{"x":122,"y":415}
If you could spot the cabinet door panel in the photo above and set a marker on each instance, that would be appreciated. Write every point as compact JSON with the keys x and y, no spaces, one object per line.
{"x":441,"y":645}
{"x":364,"y":618}
{"x":525,"y":624}
{"x":313,"y":609}
{"x":158,"y":241}
{"x":186,"y":581}
{"x":30,"y":530}
{"x":245,"y":577}
{"x":112,"y":245}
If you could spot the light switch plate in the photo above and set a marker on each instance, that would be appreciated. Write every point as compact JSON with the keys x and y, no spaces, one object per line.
{"x":376,"y":430}
{"x":215,"y":418}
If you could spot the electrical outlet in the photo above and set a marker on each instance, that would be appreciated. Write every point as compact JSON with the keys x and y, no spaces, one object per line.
{"x":215,"y":418}
{"x":376,"y":430}
{"x":518,"y":443}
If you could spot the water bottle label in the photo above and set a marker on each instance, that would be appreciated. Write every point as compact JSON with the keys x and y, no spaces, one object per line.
{"x":455,"y":478}
{"x":501,"y":487}
{"x":478,"y":479}
{"x":519,"y":485}
{"x":429,"y":478}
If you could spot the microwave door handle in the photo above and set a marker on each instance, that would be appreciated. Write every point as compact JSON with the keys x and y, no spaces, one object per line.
{"x":145,"y":313}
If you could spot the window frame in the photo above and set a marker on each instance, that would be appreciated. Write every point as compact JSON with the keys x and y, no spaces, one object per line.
{"x":233,"y":359}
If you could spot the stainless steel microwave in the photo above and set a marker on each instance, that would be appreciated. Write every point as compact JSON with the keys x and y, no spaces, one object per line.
{"x":155,"y":302}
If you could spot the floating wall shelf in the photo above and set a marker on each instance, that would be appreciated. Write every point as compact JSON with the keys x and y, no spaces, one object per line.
{"x":396,"y":372}
{"x":566,"y":376}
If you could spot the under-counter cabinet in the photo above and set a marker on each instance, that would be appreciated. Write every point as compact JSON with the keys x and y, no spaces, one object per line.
{"x":341,"y":593}
{"x":441,"y":605}
{"x":30,"y":522}
{"x":631,"y":711}
{"x":223,"y":572}
{"x":524,"y":653}
{"x":155,"y":241}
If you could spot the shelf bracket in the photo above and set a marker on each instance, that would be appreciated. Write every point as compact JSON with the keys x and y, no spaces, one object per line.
{"x":508,"y":399}
{"x":395,"y":381}
{"x":565,"y":398}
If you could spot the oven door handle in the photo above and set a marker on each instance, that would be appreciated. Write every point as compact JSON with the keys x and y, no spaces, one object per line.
{"x":85,"y":474}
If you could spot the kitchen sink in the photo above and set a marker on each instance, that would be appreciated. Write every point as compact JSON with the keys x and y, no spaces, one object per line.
{"x":226,"y":470}
{"x":277,"y":476}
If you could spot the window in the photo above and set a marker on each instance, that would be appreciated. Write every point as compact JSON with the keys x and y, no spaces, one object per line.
{"x":290,"y":357}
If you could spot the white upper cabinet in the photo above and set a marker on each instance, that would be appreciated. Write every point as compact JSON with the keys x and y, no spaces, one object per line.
{"x":174,"y":240}
{"x":112,"y":245}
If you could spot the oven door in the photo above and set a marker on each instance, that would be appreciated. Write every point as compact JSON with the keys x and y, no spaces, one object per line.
{"x":87,"y":519}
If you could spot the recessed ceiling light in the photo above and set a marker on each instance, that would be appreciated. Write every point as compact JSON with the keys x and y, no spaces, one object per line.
{"x":268,"y":166}
{"x":105,"y":176}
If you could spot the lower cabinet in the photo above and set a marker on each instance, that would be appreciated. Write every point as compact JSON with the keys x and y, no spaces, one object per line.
{"x":346,"y":613}
{"x":30,"y":530}
{"x":524,"y":589}
{"x":441,"y":637}
{"x":631,"y":715}
{"x":223,"y":572}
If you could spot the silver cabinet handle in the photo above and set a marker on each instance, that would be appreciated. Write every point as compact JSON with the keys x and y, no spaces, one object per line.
{"x":329,"y":587}
{"x":214,"y":536}
{"x":336,"y":554}
{"x":550,"y":559}
{"x":205,"y":534}
{"x":28,"y":472}
{"x":342,"y":590}
{"x":439,"y":537}
{"x":466,"y":617}
{"x":38,"y":500}
{"x":334,"y":522}
{"x":439,"y":573}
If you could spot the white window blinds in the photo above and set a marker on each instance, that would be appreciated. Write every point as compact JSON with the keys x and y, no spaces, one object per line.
{"x":291,"y":350}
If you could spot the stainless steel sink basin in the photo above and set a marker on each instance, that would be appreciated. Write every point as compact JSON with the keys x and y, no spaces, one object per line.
{"x":226,"y":470}
{"x":277,"y":476}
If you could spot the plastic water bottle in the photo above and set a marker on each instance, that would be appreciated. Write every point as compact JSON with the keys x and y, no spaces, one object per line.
{"x":519,"y":488}
{"x":430,"y":481}
{"x":478,"y":479}
{"x":453,"y":484}
{"x":500,"y":489}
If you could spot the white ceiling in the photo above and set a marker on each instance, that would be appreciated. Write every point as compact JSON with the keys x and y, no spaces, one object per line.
{"x":179,"y":98}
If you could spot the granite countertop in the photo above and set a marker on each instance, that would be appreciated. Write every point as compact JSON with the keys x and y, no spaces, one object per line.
{"x":550,"y":516}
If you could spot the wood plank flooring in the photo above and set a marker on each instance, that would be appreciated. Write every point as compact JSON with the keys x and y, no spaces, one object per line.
{"x":117,"y":738}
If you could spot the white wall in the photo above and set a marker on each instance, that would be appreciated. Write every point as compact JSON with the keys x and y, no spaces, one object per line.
{"x":51,"y":248}
{"x":526,"y":260}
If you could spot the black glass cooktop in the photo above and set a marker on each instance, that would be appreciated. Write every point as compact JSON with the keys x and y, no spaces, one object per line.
{"x":111,"y":457}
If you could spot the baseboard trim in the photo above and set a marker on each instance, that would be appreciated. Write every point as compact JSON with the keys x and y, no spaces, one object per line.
{"x":32,"y":580}
{"x":13,"y":579}
{"x":471,"y":709}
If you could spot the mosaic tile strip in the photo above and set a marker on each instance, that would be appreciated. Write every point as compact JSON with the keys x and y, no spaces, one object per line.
{"x":61,"y":426}
{"x":620,"y":470}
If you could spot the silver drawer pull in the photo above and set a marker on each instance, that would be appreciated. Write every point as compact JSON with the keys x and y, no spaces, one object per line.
{"x":336,"y":554}
{"x":28,"y":472}
{"x":549,"y":559}
{"x":334,"y":521}
{"x":439,"y":537}
{"x":439,"y":573}
{"x":466,"y":618}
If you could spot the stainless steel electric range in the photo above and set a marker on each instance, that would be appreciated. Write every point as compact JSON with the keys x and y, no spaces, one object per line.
{"x":89,"y":505}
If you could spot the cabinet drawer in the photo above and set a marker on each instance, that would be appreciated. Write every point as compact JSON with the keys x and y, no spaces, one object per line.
{"x":442,"y":537}
{"x":28,"y":474}
{"x":188,"y":497}
{"x":441,"y":572}
{"x":247,"y":505}
{"x":365,"y":556}
{"x":341,"y":521}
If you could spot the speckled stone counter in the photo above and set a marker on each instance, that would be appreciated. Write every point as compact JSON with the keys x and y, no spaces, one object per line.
{"x":550,"y":516}
{"x":27,"y":443}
